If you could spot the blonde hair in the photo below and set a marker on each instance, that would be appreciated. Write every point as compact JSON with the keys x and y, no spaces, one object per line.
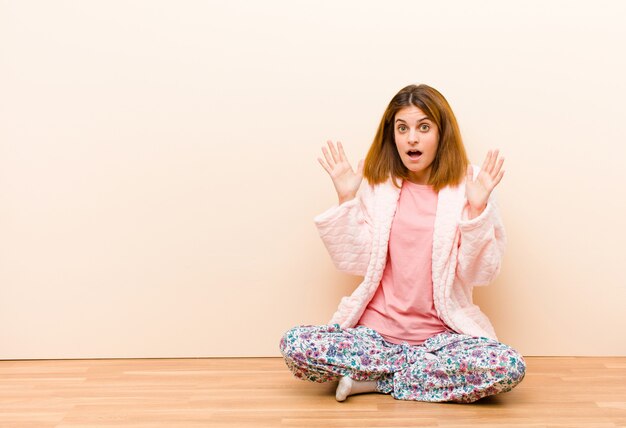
{"x":450,"y":163}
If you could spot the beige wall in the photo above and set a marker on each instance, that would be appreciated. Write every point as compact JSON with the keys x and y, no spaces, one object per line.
{"x":158,"y":176}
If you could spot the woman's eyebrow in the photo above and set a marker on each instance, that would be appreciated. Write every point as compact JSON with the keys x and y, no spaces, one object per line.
{"x":419,"y":120}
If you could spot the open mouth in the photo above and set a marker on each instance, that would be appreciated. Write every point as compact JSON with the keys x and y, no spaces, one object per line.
{"x":414,"y":154}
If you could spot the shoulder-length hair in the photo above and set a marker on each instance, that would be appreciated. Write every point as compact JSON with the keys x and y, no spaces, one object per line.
{"x":450,"y":163}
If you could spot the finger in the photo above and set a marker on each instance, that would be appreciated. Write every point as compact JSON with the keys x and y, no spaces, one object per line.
{"x":497,"y":168}
{"x":341,"y":153}
{"x":469,"y":174}
{"x":326,"y":167}
{"x":486,"y":161}
{"x":359,"y":168}
{"x":492,"y":162}
{"x":333,"y":152}
{"x":328,"y":157}
{"x":498,"y":178}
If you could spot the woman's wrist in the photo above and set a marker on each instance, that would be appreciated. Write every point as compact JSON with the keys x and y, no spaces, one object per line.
{"x":345,"y":198}
{"x":473,"y":212}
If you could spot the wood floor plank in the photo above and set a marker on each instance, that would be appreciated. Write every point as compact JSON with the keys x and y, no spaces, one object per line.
{"x":260,"y":392}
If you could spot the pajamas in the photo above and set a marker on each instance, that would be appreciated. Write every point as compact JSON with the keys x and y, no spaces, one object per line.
{"x":447,"y":367}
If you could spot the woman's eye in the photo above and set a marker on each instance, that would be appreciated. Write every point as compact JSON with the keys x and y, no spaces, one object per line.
{"x":424,"y":127}
{"x":401,"y":128}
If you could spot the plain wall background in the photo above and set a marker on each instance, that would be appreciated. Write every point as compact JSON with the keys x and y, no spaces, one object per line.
{"x":158,"y":173}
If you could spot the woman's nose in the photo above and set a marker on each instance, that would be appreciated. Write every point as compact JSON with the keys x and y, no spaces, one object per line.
{"x":413,"y":137}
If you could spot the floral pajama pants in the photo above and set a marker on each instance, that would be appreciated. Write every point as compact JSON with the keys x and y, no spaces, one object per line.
{"x":447,"y":367}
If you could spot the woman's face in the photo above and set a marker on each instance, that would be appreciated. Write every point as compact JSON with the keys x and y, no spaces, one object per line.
{"x":417,"y":138}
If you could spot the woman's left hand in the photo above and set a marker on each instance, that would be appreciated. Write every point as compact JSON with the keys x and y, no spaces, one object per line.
{"x":478,"y":191}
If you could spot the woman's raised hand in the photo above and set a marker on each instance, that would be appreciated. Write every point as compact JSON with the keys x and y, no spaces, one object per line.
{"x":345,"y":179}
{"x":478,"y":191}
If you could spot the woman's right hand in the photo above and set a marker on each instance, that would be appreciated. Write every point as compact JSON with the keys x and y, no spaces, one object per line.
{"x":345,"y":179}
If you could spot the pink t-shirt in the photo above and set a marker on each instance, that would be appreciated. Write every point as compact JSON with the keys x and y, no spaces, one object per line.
{"x":402,"y":310}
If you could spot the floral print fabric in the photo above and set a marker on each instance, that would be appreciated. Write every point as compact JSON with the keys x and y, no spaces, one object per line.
{"x":446,"y":367}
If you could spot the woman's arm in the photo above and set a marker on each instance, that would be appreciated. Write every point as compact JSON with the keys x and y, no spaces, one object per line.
{"x":346,"y":228}
{"x":346,"y":231}
{"x":481,"y":247}
{"x":482,"y":239}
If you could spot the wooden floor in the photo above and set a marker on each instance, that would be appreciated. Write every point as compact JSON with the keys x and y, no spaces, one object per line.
{"x":260,"y":392}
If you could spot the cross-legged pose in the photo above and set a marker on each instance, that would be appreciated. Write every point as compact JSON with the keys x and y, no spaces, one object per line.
{"x":423,"y":231}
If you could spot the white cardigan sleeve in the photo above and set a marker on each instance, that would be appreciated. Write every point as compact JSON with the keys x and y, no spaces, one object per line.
{"x":346,"y":231}
{"x":481,"y":247}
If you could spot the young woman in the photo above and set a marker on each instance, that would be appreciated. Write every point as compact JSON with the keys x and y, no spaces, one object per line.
{"x":423,"y":231}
